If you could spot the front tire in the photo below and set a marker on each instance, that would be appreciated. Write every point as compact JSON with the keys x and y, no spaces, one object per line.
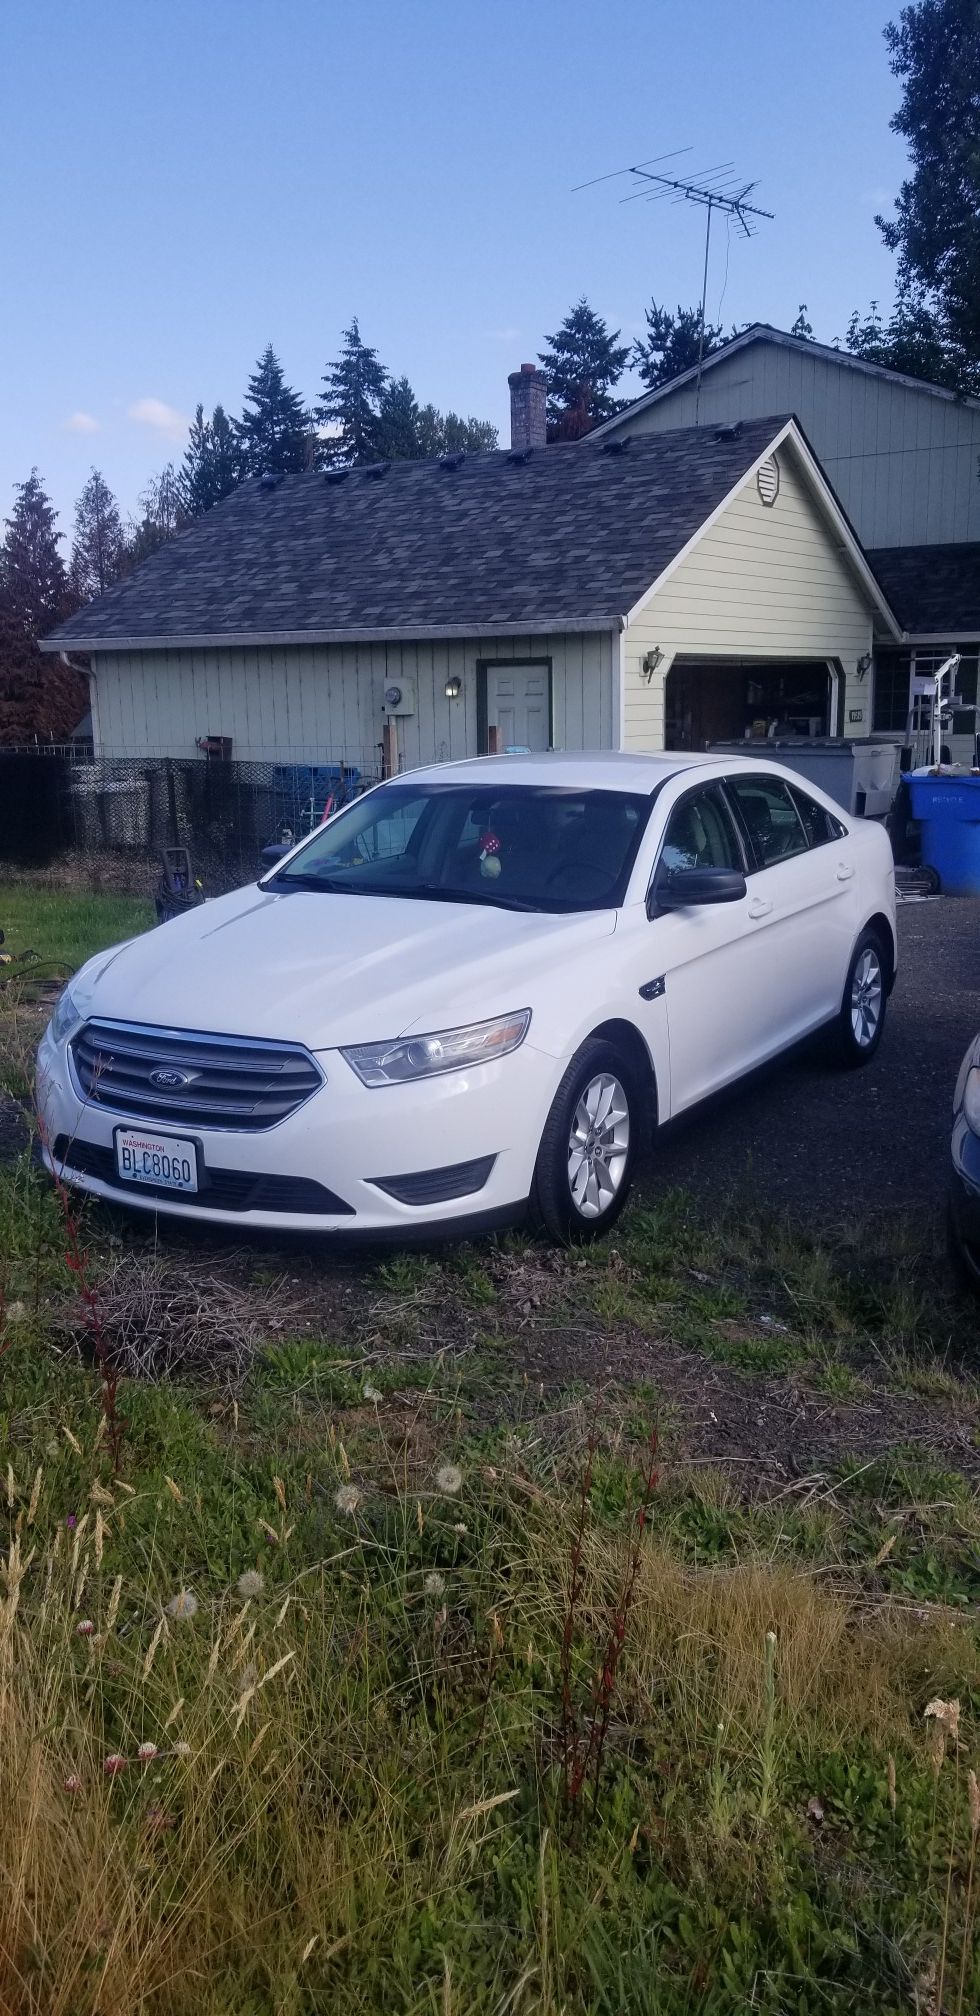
{"x":585,"y":1162}
{"x":861,"y":1021}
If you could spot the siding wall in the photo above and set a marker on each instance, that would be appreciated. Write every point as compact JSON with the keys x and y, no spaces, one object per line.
{"x":903,"y":462}
{"x":306,"y":702}
{"x":763,"y":582}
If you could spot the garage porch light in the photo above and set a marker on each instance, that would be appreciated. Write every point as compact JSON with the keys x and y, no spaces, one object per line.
{"x":453,"y":688}
{"x":651,"y":662}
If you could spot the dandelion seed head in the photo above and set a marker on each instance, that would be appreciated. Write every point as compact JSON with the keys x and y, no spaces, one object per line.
{"x":434,"y":1584}
{"x":251,"y":1583}
{"x":347,"y":1499}
{"x":449,"y":1479}
{"x":183,"y":1605}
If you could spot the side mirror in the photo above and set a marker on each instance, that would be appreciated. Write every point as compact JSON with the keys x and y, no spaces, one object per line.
{"x":687,"y":888}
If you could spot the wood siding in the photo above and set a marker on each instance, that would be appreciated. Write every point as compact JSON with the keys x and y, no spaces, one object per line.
{"x":902,"y":460}
{"x":761,"y":582}
{"x":301,"y":703}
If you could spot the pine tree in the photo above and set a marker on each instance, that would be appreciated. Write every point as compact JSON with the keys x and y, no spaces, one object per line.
{"x":98,"y":549}
{"x":33,"y":582}
{"x":211,"y":467}
{"x":584,"y":361}
{"x":672,"y":343}
{"x":350,"y":410}
{"x":274,"y":431}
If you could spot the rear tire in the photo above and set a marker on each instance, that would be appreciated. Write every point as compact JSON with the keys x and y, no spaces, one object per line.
{"x":584,"y":1169}
{"x":861,"y":1020}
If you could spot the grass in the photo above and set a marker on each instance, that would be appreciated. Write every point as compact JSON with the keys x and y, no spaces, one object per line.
{"x":65,"y":928}
{"x":329,"y":1592}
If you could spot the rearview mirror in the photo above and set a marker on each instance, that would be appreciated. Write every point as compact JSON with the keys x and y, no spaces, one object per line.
{"x":686,"y":888}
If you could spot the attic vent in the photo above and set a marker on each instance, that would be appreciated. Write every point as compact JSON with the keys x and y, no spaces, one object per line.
{"x":616,"y":447}
{"x":520,"y":455}
{"x":269,"y":480}
{"x":376,"y":469}
{"x":335,"y":475}
{"x":731,"y":433}
{"x":768,"y":480}
{"x":453,"y":461}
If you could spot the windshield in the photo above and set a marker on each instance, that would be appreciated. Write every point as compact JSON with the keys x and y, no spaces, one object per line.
{"x":515,"y":846}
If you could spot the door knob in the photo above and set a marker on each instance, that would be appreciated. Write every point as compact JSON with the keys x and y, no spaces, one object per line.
{"x":760,"y":906}
{"x":844,"y":871}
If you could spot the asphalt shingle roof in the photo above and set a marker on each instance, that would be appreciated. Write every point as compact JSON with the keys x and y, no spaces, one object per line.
{"x":934,"y":590}
{"x":571,"y":538}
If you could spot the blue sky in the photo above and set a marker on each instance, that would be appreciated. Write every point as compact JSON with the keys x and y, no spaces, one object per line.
{"x":186,"y":180}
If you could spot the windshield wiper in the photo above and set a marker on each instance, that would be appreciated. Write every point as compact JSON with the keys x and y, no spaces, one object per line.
{"x":421,"y":892}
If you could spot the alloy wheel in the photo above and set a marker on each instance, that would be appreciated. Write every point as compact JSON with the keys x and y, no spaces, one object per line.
{"x":867,"y":995}
{"x":598,"y":1145}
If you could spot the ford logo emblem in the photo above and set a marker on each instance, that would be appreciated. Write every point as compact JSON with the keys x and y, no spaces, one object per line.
{"x":171,"y":1080}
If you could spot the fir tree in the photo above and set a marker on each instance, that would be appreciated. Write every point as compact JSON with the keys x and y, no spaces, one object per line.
{"x":33,"y":582}
{"x":211,"y":467}
{"x":98,"y":548}
{"x":349,"y":412}
{"x":274,"y":431}
{"x":584,"y":361}
{"x":397,"y":429}
{"x":672,"y":343}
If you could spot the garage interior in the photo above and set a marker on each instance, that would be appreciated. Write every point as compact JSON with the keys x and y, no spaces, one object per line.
{"x":723,"y":700}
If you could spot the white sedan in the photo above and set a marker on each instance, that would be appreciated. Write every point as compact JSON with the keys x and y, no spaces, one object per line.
{"x":476,"y":990}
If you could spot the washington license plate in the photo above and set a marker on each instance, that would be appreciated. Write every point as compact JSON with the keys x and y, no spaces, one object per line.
{"x":161,"y":1159}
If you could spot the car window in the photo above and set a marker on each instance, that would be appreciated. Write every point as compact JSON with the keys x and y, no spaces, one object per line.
{"x":700,"y":835}
{"x":819,"y":825}
{"x":770,"y":817}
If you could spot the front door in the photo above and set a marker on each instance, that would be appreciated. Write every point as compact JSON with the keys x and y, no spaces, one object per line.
{"x":519,"y":705}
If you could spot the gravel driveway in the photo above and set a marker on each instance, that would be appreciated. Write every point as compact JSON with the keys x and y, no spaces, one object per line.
{"x":805,"y":1137}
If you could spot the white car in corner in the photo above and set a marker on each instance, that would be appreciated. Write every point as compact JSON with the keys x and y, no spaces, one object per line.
{"x":478,"y":988}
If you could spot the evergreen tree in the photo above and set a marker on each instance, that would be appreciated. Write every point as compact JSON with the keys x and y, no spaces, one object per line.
{"x":350,"y":409}
{"x":274,"y":430}
{"x":469,"y":437}
{"x":98,"y":549}
{"x":397,"y":429}
{"x":672,"y":343}
{"x":33,"y":582}
{"x":584,"y":361}
{"x":934,"y":49}
{"x":211,"y":467}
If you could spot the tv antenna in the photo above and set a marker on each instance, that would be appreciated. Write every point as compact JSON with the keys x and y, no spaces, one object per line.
{"x":717,"y":188}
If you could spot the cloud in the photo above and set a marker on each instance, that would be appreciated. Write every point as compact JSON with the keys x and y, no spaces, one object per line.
{"x":162,"y":418}
{"x":80,"y":423}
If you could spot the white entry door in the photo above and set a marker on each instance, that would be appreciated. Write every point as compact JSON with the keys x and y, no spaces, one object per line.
{"x":519,"y":705}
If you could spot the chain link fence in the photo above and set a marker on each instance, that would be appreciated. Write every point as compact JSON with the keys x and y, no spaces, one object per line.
{"x":54,"y":802}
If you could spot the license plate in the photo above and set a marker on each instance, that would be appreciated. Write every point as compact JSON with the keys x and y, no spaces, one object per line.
{"x":161,"y":1159}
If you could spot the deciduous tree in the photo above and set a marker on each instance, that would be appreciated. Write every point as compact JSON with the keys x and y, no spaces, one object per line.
{"x":672,"y":343}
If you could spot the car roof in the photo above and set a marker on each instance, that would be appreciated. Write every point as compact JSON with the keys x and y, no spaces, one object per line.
{"x":594,"y":770}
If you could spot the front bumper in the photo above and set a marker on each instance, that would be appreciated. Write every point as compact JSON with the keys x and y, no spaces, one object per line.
{"x":346,"y":1139}
{"x":964,"y":1197}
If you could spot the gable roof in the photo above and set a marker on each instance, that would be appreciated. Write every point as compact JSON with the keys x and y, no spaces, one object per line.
{"x":570,"y":539}
{"x":934,"y":590}
{"x":764,"y":332}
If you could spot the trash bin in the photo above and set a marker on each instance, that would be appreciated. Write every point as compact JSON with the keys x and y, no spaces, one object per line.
{"x":948,"y":812}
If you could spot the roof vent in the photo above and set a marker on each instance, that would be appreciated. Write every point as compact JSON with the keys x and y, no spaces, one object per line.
{"x":335,"y":475}
{"x":376,"y":469}
{"x":453,"y":461}
{"x":729,"y":433}
{"x":616,"y":447}
{"x":520,"y":455}
{"x":270,"y":479}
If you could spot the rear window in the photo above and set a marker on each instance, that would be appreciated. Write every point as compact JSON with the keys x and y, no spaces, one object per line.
{"x":819,"y":825}
{"x":770,"y":818}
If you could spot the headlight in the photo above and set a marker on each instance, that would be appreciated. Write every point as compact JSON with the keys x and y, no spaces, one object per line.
{"x":449,"y":1050}
{"x":66,"y":1018}
{"x":971,"y":1100}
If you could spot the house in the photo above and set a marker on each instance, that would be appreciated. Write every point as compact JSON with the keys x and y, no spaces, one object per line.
{"x":903,"y":457}
{"x":532,"y":597}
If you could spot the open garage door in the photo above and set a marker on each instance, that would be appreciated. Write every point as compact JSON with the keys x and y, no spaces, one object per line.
{"x":723,"y":700}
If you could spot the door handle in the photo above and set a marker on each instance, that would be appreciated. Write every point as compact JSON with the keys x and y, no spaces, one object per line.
{"x":844,"y":871}
{"x":760,"y":906}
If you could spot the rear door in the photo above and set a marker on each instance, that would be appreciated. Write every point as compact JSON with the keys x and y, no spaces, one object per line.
{"x":801,"y":905}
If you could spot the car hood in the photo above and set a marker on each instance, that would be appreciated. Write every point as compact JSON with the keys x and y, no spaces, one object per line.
{"x":323,"y":969}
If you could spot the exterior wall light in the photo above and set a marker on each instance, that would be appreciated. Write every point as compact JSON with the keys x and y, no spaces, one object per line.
{"x":651,"y":661}
{"x":453,"y":688}
{"x":862,"y":665}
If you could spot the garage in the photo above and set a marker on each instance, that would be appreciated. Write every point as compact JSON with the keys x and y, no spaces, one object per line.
{"x":726,"y":699}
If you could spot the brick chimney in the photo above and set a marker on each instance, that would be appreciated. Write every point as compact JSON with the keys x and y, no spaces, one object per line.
{"x":528,"y":407}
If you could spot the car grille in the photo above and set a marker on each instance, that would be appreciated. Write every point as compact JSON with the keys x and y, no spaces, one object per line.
{"x":231,"y":1083}
{"x":221,"y":1189}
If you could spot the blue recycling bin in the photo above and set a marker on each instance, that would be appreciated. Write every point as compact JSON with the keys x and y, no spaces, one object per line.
{"x":948,"y":812}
